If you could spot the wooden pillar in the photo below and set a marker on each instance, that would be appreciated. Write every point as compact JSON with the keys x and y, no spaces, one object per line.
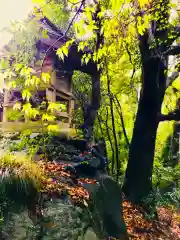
{"x":53,"y":78}
{"x":50,"y":95}
{"x":4,"y":114}
{"x":69,"y":82}
{"x":70,"y":110}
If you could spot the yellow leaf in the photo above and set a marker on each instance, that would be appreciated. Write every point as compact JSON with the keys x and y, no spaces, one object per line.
{"x":65,"y":50}
{"x":142,"y":3}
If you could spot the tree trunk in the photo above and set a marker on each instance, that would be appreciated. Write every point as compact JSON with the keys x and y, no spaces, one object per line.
{"x":138,"y":178}
{"x":100,"y":125}
{"x":96,"y":94}
{"x":90,"y":110}
{"x":119,"y":110}
{"x":111,"y":143}
{"x":118,"y":166}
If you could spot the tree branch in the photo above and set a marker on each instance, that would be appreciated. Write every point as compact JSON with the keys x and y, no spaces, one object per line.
{"x":175,"y":115}
{"x":122,"y":121}
{"x":172,"y":78}
{"x":174,"y":50}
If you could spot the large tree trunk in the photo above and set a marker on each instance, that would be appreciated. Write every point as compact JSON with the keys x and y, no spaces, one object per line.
{"x":138,"y":182}
{"x":138,"y":179}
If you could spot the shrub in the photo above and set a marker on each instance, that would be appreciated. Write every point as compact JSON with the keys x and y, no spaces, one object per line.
{"x":166,"y":189}
{"x":20,"y":181}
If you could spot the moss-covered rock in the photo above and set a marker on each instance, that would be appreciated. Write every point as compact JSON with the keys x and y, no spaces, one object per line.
{"x":61,"y":221}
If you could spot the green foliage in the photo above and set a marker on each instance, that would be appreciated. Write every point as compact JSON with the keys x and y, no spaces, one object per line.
{"x":169,"y":199}
{"x":46,"y":111}
{"x":26,"y":142}
{"x":118,"y":23}
{"x":165,"y":176}
{"x":166,"y":191}
{"x":45,"y":144}
{"x":14,"y":115}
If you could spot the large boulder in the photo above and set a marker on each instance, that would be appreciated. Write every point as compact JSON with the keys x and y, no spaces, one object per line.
{"x":106,"y":209}
{"x":62,"y":221}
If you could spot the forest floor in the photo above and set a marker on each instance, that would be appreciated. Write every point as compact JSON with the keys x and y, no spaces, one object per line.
{"x":167,"y":227}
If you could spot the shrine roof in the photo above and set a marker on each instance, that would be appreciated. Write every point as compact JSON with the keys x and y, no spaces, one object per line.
{"x":53,"y":33}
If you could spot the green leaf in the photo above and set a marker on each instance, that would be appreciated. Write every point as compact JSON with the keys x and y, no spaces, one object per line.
{"x":4,"y":64}
{"x":60,"y":54}
{"x":47,"y":117}
{"x":45,"y":77}
{"x":29,"y":111}
{"x":18,"y":66}
{"x":26,"y":95}
{"x":86,"y":60}
{"x":12,"y":84}
{"x":26,"y":108}
{"x":81,"y":46}
{"x":53,"y":128}
{"x":65,"y":50}
{"x":52,"y":106}
{"x":45,"y":34}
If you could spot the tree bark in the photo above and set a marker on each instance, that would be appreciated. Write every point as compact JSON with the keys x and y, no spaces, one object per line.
{"x":90,"y":111}
{"x":122,"y":120}
{"x":138,"y":178}
{"x":110,"y":141}
{"x":100,"y":126}
{"x":118,"y":166}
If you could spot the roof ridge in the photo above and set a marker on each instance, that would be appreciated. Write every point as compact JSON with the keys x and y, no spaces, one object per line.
{"x":46,"y":21}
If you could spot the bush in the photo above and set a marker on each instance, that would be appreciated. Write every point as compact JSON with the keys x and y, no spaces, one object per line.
{"x":166,"y":189}
{"x":20,"y":181}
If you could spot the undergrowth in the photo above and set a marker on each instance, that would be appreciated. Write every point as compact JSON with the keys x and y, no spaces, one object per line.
{"x":165,"y":192}
{"x":20,"y":182}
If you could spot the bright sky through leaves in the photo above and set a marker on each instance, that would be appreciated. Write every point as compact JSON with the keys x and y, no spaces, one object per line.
{"x":12,"y":10}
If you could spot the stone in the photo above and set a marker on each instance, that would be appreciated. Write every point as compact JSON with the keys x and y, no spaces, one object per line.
{"x":61,"y":221}
{"x":106,"y":208}
{"x":89,"y":235}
